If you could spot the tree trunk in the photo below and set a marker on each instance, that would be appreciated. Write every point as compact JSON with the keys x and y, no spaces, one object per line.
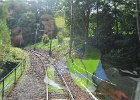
{"x":116,"y":18}
{"x":138,"y":20}
{"x":71,"y":29}
{"x":86,"y":29}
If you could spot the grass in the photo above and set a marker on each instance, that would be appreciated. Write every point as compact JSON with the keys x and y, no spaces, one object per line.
{"x":51,"y":76}
{"x":90,"y":62}
{"x":41,"y":45}
{"x":10,"y":80}
{"x":50,"y":73}
{"x":78,"y":81}
{"x":15,"y":55}
{"x":55,"y":45}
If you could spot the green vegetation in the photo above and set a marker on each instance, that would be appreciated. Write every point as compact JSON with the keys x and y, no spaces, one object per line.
{"x":4,"y":33}
{"x":90,"y":61}
{"x":83,"y":81}
{"x":10,"y":80}
{"x":15,"y":55}
{"x":51,"y":76}
{"x":109,"y":25}
{"x":61,"y":26}
{"x":55,"y":45}
{"x":41,"y":45}
{"x":50,"y":73}
{"x":60,"y":37}
{"x":86,"y":67}
{"x":60,"y":22}
{"x":91,"y":66}
{"x":9,"y":54}
{"x":45,"y":39}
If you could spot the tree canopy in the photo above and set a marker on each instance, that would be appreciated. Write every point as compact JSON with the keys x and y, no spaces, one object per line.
{"x":109,"y":25}
{"x":5,"y":39}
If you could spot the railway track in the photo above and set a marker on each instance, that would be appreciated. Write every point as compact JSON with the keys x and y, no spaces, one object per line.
{"x":72,"y":91}
{"x":45,"y":58}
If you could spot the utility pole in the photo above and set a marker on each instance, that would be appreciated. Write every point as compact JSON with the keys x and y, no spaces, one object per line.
{"x":138,"y":18}
{"x":50,"y":51}
{"x":71,"y":29}
{"x":37,"y":26}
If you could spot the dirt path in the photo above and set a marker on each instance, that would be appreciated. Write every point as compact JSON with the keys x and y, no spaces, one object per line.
{"x":30,"y":86}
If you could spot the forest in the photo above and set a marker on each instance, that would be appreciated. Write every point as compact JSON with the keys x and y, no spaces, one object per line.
{"x":106,"y":30}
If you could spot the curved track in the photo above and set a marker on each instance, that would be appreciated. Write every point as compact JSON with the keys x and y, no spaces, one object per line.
{"x":45,"y":58}
{"x":73,"y":91}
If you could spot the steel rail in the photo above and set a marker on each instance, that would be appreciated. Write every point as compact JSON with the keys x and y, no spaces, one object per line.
{"x":47,"y":58}
{"x":43,"y":66}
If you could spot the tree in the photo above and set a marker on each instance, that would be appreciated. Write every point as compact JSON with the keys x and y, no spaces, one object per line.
{"x":80,"y":20}
{"x":138,"y":19}
{"x":4,"y":31}
{"x":119,"y":41}
{"x":103,"y":27}
{"x":112,"y":25}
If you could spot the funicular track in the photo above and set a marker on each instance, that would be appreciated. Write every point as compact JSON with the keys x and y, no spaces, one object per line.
{"x":45,"y":58}
{"x":73,"y":92}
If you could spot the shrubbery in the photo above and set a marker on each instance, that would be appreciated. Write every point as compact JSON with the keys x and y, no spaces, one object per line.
{"x":11,"y":59}
{"x":60,"y":37}
{"x":45,"y":39}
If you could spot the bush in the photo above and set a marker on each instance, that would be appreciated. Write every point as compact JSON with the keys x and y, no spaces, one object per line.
{"x":45,"y":39}
{"x":15,"y":55}
{"x":10,"y":60}
{"x":60,"y":37}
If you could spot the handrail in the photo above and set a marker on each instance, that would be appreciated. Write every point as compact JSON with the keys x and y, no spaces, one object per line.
{"x":11,"y":71}
{"x":14,"y":70}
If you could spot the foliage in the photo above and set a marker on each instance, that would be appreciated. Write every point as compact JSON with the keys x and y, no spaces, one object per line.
{"x":10,"y":80}
{"x":126,"y":56}
{"x":111,"y":25}
{"x":78,"y":16}
{"x":90,"y":61}
{"x":51,"y":76}
{"x":4,"y":33}
{"x":40,"y":45}
{"x":26,"y":15}
{"x":45,"y":39}
{"x":7,"y":53}
{"x":12,"y":58}
{"x":15,"y":55}
{"x":61,"y":27}
{"x":60,"y":37}
{"x":60,"y":22}
{"x":6,"y":68}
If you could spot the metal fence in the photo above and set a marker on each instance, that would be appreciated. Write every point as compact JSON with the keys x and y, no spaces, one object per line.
{"x":10,"y":79}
